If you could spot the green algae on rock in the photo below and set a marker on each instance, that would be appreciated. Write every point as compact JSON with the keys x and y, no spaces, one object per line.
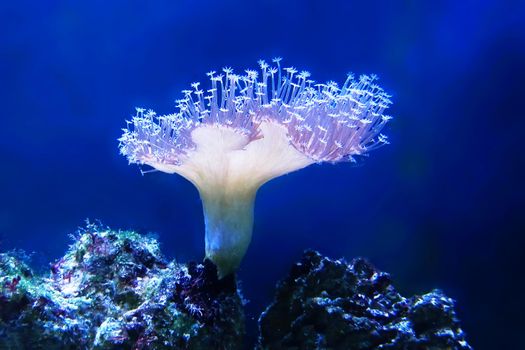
{"x":115,"y":290}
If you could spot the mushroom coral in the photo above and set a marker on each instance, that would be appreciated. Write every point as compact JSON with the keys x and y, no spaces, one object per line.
{"x":248,"y":129}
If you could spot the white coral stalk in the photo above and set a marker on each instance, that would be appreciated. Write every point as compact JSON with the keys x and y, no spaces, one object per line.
{"x":249,"y":129}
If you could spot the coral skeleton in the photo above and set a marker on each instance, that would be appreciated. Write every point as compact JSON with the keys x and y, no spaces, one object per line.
{"x":248,"y":129}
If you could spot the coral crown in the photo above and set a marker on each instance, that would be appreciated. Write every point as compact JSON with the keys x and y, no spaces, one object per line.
{"x":324,"y":122}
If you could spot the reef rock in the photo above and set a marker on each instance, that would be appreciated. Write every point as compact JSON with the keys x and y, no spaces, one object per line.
{"x":114,"y":290}
{"x":330,"y":304}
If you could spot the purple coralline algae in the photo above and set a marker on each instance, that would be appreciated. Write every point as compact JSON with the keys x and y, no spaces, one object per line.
{"x":332,"y":304}
{"x":115,"y":290}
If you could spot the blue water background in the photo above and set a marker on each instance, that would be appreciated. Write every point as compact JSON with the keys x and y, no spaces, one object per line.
{"x":442,"y":206}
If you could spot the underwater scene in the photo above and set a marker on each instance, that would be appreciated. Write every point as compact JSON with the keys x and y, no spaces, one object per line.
{"x":262,"y":175}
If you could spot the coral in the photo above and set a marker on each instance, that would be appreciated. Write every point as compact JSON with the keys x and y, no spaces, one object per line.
{"x":330,"y":304}
{"x":115,"y":290}
{"x":248,"y":130}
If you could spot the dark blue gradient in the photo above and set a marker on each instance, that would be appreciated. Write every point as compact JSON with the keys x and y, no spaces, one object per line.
{"x":442,"y":206}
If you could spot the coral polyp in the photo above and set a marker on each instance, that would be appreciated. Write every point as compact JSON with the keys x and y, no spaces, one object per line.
{"x":248,"y":129}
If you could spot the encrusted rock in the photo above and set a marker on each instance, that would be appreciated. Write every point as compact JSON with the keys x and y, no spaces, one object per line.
{"x":115,"y":290}
{"x":330,"y":304}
